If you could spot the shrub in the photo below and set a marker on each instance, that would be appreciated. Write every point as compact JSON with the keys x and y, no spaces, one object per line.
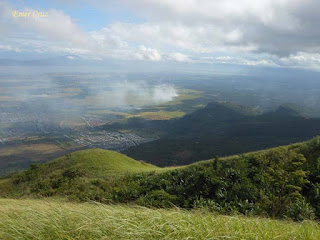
{"x":300,"y":210}
{"x":158,"y":198}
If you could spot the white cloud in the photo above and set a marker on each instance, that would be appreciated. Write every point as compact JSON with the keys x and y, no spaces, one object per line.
{"x":250,"y":61}
{"x":9,"y":48}
{"x":264,"y":32}
{"x":145,"y":53}
{"x":71,"y":57}
{"x":179,"y":57}
{"x":281,"y":27}
{"x":301,"y":59}
{"x":59,"y":34}
{"x":56,"y":27}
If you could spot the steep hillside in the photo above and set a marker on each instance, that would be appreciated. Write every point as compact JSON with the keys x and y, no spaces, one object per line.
{"x":225,"y":129}
{"x":279,"y":182}
{"x":282,"y":113}
{"x":73,"y":173}
{"x":98,"y":163}
{"x":210,"y":119}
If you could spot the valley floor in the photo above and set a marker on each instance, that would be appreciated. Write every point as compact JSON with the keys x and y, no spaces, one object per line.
{"x":55,"y":219}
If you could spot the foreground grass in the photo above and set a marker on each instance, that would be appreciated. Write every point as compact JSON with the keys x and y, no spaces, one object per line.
{"x":51,"y":219}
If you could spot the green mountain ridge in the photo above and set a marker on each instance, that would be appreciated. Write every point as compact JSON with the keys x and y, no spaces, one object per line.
{"x":279,"y":182}
{"x":85,"y":165}
{"x":225,"y":129}
{"x":98,"y":163}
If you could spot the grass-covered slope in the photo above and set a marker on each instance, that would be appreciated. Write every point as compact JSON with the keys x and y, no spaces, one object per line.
{"x":75,"y":172}
{"x":39,"y":219}
{"x":97,"y":163}
{"x":282,"y":182}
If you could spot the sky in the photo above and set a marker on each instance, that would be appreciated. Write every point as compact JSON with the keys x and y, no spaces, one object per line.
{"x":264,"y":33}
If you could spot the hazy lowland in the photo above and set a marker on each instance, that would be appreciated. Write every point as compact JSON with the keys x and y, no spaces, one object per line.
{"x":68,"y":122}
{"x":45,"y":115}
{"x":160,"y":119}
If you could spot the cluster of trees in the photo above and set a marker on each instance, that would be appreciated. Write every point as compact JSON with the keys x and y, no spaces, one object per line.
{"x":280,"y":182}
{"x":274,"y":183}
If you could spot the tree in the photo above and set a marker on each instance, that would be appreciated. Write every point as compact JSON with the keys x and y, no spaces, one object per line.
{"x":283,"y":179}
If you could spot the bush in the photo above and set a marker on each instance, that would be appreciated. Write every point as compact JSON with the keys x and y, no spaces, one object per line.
{"x":158,"y":198}
{"x":300,"y":210}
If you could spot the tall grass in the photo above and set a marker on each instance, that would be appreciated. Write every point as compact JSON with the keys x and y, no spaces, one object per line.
{"x":52,"y":219}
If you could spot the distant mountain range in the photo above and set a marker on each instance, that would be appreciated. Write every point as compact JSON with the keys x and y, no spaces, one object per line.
{"x":223,"y":128}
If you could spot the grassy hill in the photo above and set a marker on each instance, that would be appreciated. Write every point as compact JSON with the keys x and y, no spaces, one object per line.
{"x":73,"y":173}
{"x":280,"y":182}
{"x":211,"y":199}
{"x":97,"y":163}
{"x":62,"y":220}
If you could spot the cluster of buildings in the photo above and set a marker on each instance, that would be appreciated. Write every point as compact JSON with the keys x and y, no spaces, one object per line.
{"x":7,"y":135}
{"x":93,"y":121}
{"x":36,"y":124}
{"x":108,"y":140}
{"x":16,"y":117}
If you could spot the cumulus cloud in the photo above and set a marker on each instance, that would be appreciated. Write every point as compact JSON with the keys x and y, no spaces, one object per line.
{"x":279,"y":30}
{"x":148,"y":54}
{"x":59,"y":33}
{"x":264,"y":32}
{"x":279,"y":27}
{"x":250,"y":61}
{"x":57,"y":26}
{"x":179,"y":57}
{"x":9,"y":48}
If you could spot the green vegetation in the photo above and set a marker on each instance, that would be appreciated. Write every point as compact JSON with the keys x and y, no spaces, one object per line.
{"x":160,"y":115}
{"x":51,"y":219}
{"x":99,"y":163}
{"x":278,"y":183}
{"x":33,"y":149}
{"x":212,"y":199}
{"x":78,"y":175}
{"x":281,"y":183}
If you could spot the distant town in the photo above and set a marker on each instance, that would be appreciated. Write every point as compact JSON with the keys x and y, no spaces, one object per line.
{"x":86,"y":136}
